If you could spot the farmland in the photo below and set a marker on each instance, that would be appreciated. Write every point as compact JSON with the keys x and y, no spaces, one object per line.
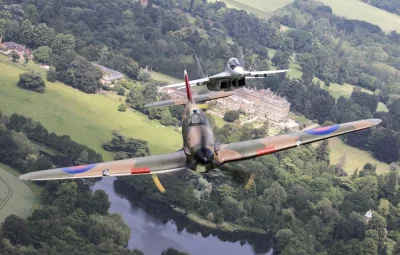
{"x":87,"y":118}
{"x":351,"y":9}
{"x":15,"y":196}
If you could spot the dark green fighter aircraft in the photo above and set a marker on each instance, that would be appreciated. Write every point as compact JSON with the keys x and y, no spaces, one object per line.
{"x":199,"y":146}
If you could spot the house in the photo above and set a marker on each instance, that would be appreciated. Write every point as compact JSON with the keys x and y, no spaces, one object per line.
{"x":109,"y":76}
{"x":263,"y":104}
{"x":19,"y":48}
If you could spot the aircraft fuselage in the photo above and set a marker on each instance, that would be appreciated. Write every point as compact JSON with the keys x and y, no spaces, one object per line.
{"x":198,"y":136}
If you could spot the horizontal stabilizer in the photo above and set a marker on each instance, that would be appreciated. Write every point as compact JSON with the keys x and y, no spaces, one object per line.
{"x":196,"y":99}
{"x":211,"y":96}
{"x":177,"y":101}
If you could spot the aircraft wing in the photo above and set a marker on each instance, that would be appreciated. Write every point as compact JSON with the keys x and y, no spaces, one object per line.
{"x":158,"y":164}
{"x":192,"y":83}
{"x":264,"y":73}
{"x":268,"y":145}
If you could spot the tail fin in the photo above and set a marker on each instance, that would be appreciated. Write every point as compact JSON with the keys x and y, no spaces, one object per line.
{"x":188,"y":90}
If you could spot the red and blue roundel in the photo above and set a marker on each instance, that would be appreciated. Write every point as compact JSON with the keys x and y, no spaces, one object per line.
{"x":323,"y":130}
{"x":78,"y":169}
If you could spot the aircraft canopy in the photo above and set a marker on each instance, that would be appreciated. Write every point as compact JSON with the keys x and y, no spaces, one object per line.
{"x":233,"y":63}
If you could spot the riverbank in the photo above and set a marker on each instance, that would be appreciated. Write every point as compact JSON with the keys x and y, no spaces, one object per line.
{"x":225,"y":226}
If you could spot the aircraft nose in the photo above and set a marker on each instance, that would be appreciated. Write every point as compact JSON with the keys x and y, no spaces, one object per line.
{"x":204,"y":155}
{"x":239,"y":70}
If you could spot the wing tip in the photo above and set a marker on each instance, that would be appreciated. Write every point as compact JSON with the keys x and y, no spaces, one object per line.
{"x":25,"y":177}
{"x":375,"y":122}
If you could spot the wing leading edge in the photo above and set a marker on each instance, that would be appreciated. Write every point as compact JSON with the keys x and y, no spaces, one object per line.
{"x":158,"y":164}
{"x":268,"y":145}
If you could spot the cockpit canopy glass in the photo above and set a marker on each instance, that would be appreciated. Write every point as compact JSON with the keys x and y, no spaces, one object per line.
{"x":196,"y":117}
{"x":233,"y":63}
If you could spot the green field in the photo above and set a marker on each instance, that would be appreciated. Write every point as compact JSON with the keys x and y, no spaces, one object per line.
{"x":87,"y":118}
{"x":15,"y":196}
{"x":351,"y":9}
{"x":355,"y":158}
{"x":355,"y":9}
{"x":259,"y":7}
{"x":162,"y":77}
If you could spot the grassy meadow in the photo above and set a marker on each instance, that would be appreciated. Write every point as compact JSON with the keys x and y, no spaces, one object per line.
{"x":355,"y":9}
{"x":15,"y":196}
{"x":87,"y":118}
{"x":259,"y":7}
{"x":355,"y":158}
{"x":351,"y":9}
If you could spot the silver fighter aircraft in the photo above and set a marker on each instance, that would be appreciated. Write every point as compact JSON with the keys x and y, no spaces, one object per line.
{"x":232,"y":78}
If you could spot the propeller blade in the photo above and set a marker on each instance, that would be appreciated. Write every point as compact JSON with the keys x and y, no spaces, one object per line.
{"x":203,"y":106}
{"x":158,"y":184}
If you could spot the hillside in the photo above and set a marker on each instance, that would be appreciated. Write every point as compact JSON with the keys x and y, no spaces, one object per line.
{"x":355,"y":9}
{"x":87,"y":118}
{"x":351,"y":9}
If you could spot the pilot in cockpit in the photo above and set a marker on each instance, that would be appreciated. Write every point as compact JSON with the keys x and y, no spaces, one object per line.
{"x":196,"y":118}
{"x":233,"y":63}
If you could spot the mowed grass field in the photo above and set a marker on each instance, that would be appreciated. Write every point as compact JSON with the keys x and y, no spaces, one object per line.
{"x":15,"y":196}
{"x":355,"y":9}
{"x":351,"y":9}
{"x":87,"y":118}
{"x":355,"y":158}
{"x":262,"y":8}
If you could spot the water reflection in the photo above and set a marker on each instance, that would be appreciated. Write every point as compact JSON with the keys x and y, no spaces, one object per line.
{"x":154,"y":227}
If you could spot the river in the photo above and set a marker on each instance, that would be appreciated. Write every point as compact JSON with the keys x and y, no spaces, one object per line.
{"x":156,"y":227}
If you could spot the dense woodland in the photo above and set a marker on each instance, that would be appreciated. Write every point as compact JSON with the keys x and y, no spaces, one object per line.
{"x":297,"y":194}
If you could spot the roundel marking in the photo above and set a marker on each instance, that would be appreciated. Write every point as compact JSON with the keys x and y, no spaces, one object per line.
{"x":78,"y":169}
{"x":323,"y":130}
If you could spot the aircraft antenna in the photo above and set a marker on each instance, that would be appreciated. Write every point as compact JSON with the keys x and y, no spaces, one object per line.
{"x":199,"y":69}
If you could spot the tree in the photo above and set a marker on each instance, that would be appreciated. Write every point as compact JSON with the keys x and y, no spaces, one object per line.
{"x":143,"y":76}
{"x":384,"y":207}
{"x":369,"y":247}
{"x":15,"y":229}
{"x":63,"y":43}
{"x":172,"y":251}
{"x":81,"y":74}
{"x":43,"y":36}
{"x":66,"y":197}
{"x":99,"y":203}
{"x":387,"y":149}
{"x":2,"y":26}
{"x":122,"y":108}
{"x":32,"y":81}
{"x":26,"y":59}
{"x":276,"y":196}
{"x":323,"y":151}
{"x":26,"y":32}
{"x":231,"y":116}
{"x":42,"y":54}
{"x":108,"y":228}
{"x":15,"y":56}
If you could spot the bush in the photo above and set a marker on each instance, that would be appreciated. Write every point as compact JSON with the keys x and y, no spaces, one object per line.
{"x":51,"y":75}
{"x":122,"y":108}
{"x":120,"y":90}
{"x":231,"y":116}
{"x":14,"y":56}
{"x":32,"y":81}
